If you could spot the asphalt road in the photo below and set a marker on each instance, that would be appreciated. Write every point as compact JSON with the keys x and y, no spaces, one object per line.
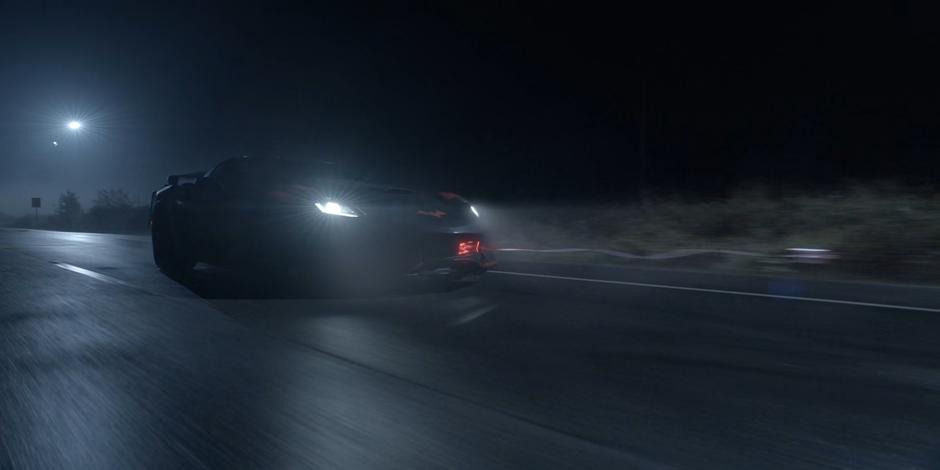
{"x":107,"y":363}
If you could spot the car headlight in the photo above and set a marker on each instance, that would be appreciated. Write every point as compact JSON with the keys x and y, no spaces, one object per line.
{"x":335,"y":208}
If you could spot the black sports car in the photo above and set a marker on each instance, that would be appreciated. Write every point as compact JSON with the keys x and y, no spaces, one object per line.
{"x":281,"y":214}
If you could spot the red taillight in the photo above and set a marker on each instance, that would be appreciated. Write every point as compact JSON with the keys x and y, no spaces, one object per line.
{"x":467,"y":247}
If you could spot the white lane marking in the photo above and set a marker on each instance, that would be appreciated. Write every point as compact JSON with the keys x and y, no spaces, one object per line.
{"x":721,"y":291}
{"x":473,"y":315}
{"x":92,"y":274}
{"x":620,"y":254}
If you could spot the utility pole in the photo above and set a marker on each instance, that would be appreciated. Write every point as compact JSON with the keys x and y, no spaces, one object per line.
{"x":642,"y":124}
{"x":644,"y":158}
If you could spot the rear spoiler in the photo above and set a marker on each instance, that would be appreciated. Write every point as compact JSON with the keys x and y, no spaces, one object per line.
{"x":173,"y":180}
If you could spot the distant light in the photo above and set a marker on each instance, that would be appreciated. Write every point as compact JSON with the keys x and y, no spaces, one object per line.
{"x":55,"y":144}
{"x":74,"y":125}
{"x":474,"y":210}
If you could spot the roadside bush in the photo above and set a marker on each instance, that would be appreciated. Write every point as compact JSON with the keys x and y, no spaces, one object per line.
{"x":881,"y":225}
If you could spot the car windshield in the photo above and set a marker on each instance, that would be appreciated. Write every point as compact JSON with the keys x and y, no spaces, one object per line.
{"x":298,"y":171}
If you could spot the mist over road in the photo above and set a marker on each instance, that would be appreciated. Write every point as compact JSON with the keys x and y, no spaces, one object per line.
{"x":107,"y":363}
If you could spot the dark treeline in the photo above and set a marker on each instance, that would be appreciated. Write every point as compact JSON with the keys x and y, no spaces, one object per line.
{"x":111,"y":211}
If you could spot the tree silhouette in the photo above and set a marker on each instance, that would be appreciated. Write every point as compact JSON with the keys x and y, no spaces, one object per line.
{"x":68,"y":212}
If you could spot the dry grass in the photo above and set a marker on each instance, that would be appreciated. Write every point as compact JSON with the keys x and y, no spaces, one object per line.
{"x":884,"y":227}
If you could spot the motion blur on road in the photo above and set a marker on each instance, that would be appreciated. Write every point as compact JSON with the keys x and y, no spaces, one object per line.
{"x":108,"y":363}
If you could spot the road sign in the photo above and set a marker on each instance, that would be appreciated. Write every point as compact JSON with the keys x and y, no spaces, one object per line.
{"x":37,"y":203}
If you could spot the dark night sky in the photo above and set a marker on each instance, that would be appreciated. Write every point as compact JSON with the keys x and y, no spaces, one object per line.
{"x":497,"y":102}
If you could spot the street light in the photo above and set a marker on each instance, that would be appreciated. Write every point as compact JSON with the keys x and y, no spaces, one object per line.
{"x":74,"y":125}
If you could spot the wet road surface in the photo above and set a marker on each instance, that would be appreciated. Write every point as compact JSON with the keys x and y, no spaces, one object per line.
{"x":107,"y":363}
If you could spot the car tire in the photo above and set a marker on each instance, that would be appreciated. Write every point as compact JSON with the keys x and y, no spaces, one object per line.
{"x":171,"y":253}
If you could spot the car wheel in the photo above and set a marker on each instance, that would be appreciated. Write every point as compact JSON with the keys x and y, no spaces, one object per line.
{"x":171,"y":253}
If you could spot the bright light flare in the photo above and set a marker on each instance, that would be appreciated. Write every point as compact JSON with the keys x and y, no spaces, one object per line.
{"x":335,"y":208}
{"x":474,"y":210}
{"x":74,"y":125}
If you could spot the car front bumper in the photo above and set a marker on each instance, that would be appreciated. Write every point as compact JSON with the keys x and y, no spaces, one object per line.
{"x":455,"y":266}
